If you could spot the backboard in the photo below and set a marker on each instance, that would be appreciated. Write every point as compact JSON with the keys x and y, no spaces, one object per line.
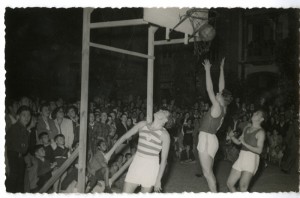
{"x":169,"y":18}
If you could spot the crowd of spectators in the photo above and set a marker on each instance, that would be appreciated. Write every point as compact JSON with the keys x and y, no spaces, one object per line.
{"x":41,"y":135}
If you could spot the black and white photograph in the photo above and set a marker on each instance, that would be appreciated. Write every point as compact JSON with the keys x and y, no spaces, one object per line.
{"x":151,"y":100}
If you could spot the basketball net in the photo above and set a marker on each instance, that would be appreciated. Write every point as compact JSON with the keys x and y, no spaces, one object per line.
{"x":203,"y":27}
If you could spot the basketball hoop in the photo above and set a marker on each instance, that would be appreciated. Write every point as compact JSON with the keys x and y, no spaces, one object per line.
{"x":203,"y":26}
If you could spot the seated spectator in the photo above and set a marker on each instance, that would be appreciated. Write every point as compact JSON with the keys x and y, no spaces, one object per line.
{"x":120,"y":160}
{"x":98,"y":168}
{"x":44,"y":139}
{"x":60,"y":153}
{"x":277,"y":154}
{"x":276,"y":139}
{"x":112,"y":137}
{"x":72,"y":173}
{"x":45,"y":168}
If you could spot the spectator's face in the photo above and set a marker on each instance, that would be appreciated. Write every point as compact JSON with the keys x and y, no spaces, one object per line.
{"x":45,"y":139}
{"x":120,"y":159}
{"x":52,"y":105}
{"x":71,"y":113}
{"x":45,"y":111}
{"x":275,"y":132}
{"x":59,"y":102}
{"x":124,"y":118}
{"x":41,"y":152}
{"x":15,"y":107}
{"x":129,"y":122}
{"x":60,"y":141}
{"x":24,"y":118}
{"x":187,"y":115}
{"x":112,"y":131}
{"x":133,"y":150}
{"x":33,"y":122}
{"x":25,"y":102}
{"x":128,"y":157}
{"x":103,"y":146}
{"x":98,"y":117}
{"x":134,"y":114}
{"x":189,"y":122}
{"x":103,"y":117}
{"x":91,"y":117}
{"x":113,"y":115}
{"x":172,"y":102}
{"x":60,"y":114}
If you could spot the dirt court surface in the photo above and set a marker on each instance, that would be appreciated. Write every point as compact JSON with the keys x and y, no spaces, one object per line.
{"x":181,"y":178}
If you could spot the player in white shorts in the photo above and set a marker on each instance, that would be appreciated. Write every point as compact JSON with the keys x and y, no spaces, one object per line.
{"x":252,"y":141}
{"x":208,"y":143}
{"x":145,"y":169}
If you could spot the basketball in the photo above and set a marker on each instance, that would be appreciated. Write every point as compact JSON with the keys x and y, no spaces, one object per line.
{"x":207,"y":32}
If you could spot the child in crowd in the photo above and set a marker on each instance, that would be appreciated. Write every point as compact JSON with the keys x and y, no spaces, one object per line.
{"x":128,"y":156}
{"x":45,"y":168}
{"x":61,"y":154}
{"x":48,"y":147}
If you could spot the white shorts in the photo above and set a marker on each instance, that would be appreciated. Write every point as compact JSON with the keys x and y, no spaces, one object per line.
{"x":208,"y":143}
{"x":143,"y":171}
{"x":247,"y":161}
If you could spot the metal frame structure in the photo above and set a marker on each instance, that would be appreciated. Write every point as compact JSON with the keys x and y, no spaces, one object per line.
{"x":86,"y":44}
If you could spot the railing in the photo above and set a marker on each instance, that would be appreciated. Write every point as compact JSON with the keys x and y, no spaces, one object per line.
{"x":59,"y":172}
{"x":70,"y":161}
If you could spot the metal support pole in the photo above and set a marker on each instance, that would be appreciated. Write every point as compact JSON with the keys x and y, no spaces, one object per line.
{"x":84,"y":98}
{"x":151,"y":32}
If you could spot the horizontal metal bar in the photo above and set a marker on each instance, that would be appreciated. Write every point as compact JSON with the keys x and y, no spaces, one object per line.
{"x":169,"y":42}
{"x":114,"y":49}
{"x":118,"y":23}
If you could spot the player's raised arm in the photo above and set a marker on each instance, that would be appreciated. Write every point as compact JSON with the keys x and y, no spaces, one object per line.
{"x":125,"y":137}
{"x":221,"y":78}
{"x":209,"y":84}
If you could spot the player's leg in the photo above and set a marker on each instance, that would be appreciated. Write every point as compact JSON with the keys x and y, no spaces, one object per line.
{"x":234,"y":176}
{"x":146,"y":189}
{"x":207,"y":162}
{"x":129,"y":187}
{"x":245,"y":180}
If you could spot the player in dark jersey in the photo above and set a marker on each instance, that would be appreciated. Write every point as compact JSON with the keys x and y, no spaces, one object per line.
{"x":246,"y":165}
{"x":208,"y":143}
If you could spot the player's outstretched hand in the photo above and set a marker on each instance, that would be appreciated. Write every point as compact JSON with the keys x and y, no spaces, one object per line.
{"x":206,"y":64}
{"x":222,"y":62}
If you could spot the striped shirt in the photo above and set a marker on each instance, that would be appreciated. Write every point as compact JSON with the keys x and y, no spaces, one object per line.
{"x":150,"y":143}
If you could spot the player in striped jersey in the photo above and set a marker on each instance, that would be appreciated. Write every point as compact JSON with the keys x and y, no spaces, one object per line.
{"x":145,"y":169}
